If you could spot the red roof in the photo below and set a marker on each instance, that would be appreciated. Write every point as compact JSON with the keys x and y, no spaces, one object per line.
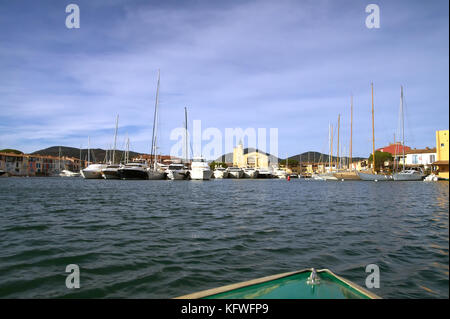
{"x":394,"y":149}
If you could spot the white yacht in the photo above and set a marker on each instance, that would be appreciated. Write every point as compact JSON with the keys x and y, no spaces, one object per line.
{"x":408,"y":175}
{"x":177,"y":172}
{"x":220,"y":172}
{"x":279,"y":173}
{"x":235,"y":172}
{"x":250,"y":172}
{"x":264,"y":173}
{"x":200,"y":169}
{"x":67,"y":173}
{"x":431,"y":178}
{"x":93,"y":171}
{"x":111,"y":171}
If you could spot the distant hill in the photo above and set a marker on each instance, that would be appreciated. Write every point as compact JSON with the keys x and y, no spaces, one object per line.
{"x":9,"y":150}
{"x":316,"y":157}
{"x":97,"y":154}
{"x":312,"y":157}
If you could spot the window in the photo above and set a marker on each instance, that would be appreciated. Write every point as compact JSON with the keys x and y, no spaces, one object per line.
{"x":432,"y":158}
{"x":414,"y":159}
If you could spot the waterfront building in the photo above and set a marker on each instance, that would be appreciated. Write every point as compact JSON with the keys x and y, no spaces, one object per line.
{"x":421,"y":157}
{"x":250,"y":157}
{"x":442,"y":154}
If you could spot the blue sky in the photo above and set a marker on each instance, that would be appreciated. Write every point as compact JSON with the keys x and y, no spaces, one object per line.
{"x":290,"y":65}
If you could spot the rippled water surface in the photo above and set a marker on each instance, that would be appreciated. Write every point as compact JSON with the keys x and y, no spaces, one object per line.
{"x":162,"y":239}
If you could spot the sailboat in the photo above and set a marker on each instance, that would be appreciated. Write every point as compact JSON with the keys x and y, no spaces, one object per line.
{"x":93,"y":171}
{"x":154,"y":172}
{"x":406,"y":174}
{"x":112,"y":170}
{"x":180,"y":171}
{"x":349,"y":173}
{"x":373,"y":176}
{"x":327,"y":176}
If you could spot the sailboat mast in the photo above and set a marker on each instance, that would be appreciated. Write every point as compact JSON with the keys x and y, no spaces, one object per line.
{"x":373,"y":134}
{"x":153,"y":151}
{"x":350,"y":164}
{"x":115,"y":140}
{"x":338,"y":159}
{"x":331,"y":161}
{"x":185,"y":136}
{"x":403,"y":127}
{"x":89,"y":150}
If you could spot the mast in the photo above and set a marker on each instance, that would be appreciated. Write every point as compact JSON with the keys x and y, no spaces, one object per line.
{"x":59,"y":159}
{"x":350,"y":164}
{"x":89,"y":150}
{"x":331,"y":160}
{"x":373,"y":134}
{"x":79,"y":166}
{"x":185,"y":136}
{"x":403,"y":128}
{"x":338,"y":159}
{"x":395,"y":154}
{"x":115,"y":139}
{"x":153,"y":151}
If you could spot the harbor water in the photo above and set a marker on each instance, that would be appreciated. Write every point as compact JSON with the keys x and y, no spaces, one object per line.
{"x":163,"y":239}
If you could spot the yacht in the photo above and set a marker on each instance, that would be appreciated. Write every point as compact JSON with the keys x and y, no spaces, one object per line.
{"x":93,"y":171}
{"x":264,"y":173}
{"x":200,"y":169}
{"x":177,"y":172}
{"x":250,"y":172}
{"x":134,"y":170}
{"x":111,"y":171}
{"x":220,"y":172}
{"x":67,"y":173}
{"x":279,"y":173}
{"x":235,"y":172}
{"x":370,"y":176}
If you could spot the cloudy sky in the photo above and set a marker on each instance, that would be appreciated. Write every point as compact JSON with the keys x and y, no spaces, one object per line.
{"x":291,"y":65}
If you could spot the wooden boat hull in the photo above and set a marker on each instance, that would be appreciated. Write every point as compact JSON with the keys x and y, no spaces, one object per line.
{"x":292,"y":285}
{"x":347,"y":176}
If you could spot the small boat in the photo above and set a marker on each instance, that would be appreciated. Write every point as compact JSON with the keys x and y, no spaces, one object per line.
{"x":324,"y":177}
{"x":111,"y":171}
{"x":374,"y":177}
{"x":347,"y":175}
{"x":279,"y":173}
{"x":431,"y":178}
{"x":200,"y":169}
{"x":67,"y":173}
{"x":303,"y":284}
{"x":235,"y":172}
{"x":177,"y":172}
{"x":93,"y":171}
{"x":250,"y":172}
{"x":135,"y":170}
{"x":220,"y":172}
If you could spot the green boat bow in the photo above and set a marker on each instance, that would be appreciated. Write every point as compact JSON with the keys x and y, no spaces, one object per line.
{"x":303,"y":284}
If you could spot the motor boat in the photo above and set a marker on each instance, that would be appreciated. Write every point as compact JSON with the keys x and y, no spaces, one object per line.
{"x":220,"y":172}
{"x":93,"y":171}
{"x":67,"y":173}
{"x":279,"y":173}
{"x":250,"y":172}
{"x":134,"y":170}
{"x":200,"y":169}
{"x":177,"y":172}
{"x":235,"y":172}
{"x":111,"y":171}
{"x":264,"y":173}
{"x":408,"y":175}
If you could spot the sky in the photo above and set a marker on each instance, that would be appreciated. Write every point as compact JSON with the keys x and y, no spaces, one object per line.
{"x":290,"y":65}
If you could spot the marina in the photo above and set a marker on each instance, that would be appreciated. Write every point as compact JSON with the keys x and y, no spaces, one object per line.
{"x":192,"y":236}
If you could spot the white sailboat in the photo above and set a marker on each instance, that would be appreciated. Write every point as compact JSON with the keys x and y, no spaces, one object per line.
{"x":111,"y":171}
{"x":154,"y":172}
{"x":406,"y":174}
{"x":93,"y":171}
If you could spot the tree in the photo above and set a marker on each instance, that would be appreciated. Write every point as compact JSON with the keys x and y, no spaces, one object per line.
{"x":380,"y":158}
{"x":215,"y":164}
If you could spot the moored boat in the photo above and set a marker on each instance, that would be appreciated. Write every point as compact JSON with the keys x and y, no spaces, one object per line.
{"x":235,"y":172}
{"x":374,"y":177}
{"x":220,"y":172}
{"x":250,"y":172}
{"x":93,"y":171}
{"x":67,"y":173}
{"x":133,"y":171}
{"x":303,"y":284}
{"x":111,"y":171}
{"x":177,"y":172}
{"x":199,"y":169}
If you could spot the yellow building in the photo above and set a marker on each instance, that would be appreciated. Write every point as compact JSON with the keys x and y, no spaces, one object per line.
{"x":249,"y":158}
{"x":442,"y":154}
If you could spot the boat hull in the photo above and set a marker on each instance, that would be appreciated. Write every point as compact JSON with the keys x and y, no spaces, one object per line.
{"x":374,"y":177}
{"x":132,"y":174}
{"x":176,"y":174}
{"x":91,"y":174}
{"x":235,"y":174}
{"x":293,"y":285}
{"x":197,"y":174}
{"x":220,"y":174}
{"x":407,"y":177}
{"x":110,"y":174}
{"x":347,"y":176}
